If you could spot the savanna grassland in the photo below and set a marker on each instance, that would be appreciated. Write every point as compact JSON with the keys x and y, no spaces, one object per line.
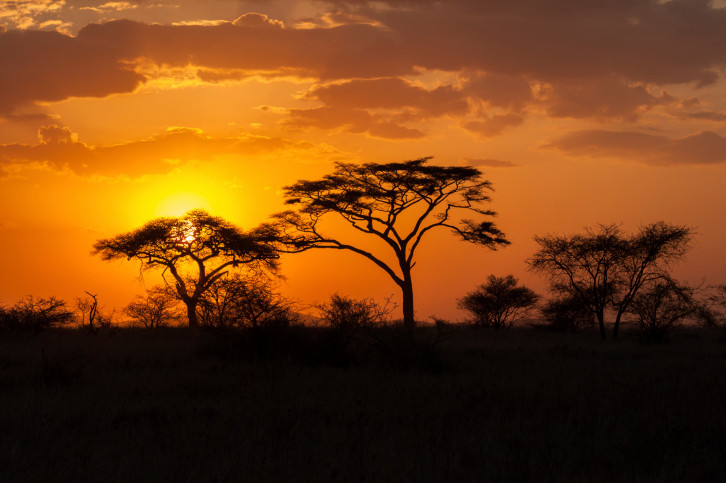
{"x":303,"y":404}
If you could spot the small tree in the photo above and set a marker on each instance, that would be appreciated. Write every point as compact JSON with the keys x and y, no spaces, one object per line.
{"x":395,"y":203}
{"x":250,"y":300}
{"x":158,"y":308}
{"x":196,"y":249}
{"x":662,"y":307}
{"x":605,"y":269}
{"x":499,"y":302}
{"x":717,"y":300}
{"x":88,"y":309}
{"x":350,"y":314}
{"x":567,"y":313}
{"x":36,"y":314}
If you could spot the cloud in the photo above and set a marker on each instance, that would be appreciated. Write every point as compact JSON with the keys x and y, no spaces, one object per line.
{"x":599,"y":59}
{"x":491,"y":163}
{"x":391,"y":93}
{"x":494,"y":125}
{"x":708,"y":115}
{"x":697,"y":149}
{"x":257,"y":20}
{"x":499,"y":90}
{"x":50,"y":66}
{"x":377,"y":107}
{"x":603,"y":99}
{"x":350,"y":120}
{"x":58,"y":147}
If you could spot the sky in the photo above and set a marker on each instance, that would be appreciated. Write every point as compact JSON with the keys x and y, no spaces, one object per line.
{"x":579,"y":112}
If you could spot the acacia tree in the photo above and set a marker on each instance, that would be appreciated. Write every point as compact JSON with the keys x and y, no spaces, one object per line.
{"x":397,"y":203}
{"x":196,"y":249}
{"x":606,"y":269}
{"x":499,"y":302}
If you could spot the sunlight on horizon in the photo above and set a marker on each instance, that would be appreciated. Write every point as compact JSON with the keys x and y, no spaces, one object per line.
{"x":180,"y":203}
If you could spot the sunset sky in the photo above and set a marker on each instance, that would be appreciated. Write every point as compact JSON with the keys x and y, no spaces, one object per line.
{"x":579,"y":112}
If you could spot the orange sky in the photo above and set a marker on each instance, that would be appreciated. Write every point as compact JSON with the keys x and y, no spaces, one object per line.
{"x":112,"y":113}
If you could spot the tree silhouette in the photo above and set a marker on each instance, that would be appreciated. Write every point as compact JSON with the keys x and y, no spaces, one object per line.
{"x":499,"y":302}
{"x":250,"y":300}
{"x":398,"y":203}
{"x":661,"y":308}
{"x":605,"y":269}
{"x":186,"y":247}
{"x":156,"y":309}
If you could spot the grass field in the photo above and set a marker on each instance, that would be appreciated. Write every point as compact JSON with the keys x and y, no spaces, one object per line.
{"x":299,"y":405}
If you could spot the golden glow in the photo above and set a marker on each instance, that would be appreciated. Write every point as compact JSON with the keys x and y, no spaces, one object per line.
{"x":179,"y":203}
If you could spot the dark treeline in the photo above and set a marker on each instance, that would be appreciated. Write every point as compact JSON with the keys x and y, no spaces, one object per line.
{"x":219,"y":276}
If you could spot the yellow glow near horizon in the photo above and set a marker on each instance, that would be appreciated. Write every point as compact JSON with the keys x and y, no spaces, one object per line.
{"x":179,"y":203}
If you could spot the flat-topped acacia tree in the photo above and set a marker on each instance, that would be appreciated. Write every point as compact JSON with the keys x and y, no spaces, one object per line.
{"x":196,"y":249}
{"x":398,"y":203}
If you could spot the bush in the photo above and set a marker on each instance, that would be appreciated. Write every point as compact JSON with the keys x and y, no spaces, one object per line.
{"x":36,"y":314}
{"x":717,"y":302}
{"x":349,"y":314}
{"x":158,"y":308}
{"x":567,"y":313}
{"x":662,"y":308}
{"x":250,"y":300}
{"x":499,"y":302}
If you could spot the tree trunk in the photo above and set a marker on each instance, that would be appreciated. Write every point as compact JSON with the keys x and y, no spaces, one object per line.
{"x":601,"y":323}
{"x":192,"y":312}
{"x":408,"y":318}
{"x":616,"y":326}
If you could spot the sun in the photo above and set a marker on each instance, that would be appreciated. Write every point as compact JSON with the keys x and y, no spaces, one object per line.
{"x":179,"y":203}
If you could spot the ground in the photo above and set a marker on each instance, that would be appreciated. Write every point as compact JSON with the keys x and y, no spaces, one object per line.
{"x":304,"y":405}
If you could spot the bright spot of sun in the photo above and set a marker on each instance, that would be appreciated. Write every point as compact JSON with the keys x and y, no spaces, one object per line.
{"x":179,"y":203}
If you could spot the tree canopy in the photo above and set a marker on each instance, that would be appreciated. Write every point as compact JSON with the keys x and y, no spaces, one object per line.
{"x":196,"y":249}
{"x":499,"y":302}
{"x":606,"y":269}
{"x":397,"y":203}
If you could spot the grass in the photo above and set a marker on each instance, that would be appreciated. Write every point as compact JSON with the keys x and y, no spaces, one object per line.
{"x":522,"y":405}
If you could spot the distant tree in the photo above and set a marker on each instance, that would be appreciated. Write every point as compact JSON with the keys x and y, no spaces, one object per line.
{"x":499,"y":302}
{"x":249,"y":300}
{"x":662,"y":307}
{"x":605,"y":269}
{"x":158,"y":308}
{"x":396,"y":203}
{"x":196,"y":249}
{"x":36,"y":314}
{"x":717,"y":300}
{"x":349,"y":314}
{"x":566,"y":312}
{"x":88,"y":309}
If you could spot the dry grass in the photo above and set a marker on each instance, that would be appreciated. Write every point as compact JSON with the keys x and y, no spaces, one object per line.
{"x":523,"y":405}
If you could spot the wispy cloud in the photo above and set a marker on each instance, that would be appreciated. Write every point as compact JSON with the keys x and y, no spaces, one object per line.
{"x":701,"y":148}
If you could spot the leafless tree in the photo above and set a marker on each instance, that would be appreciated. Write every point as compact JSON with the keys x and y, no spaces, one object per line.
{"x":158,"y":308}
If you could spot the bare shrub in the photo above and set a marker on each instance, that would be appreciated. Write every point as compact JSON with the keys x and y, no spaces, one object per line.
{"x":717,"y":303}
{"x":349,"y":314}
{"x":567,"y":313}
{"x":251,"y":300}
{"x":158,"y":308}
{"x":499,"y":302}
{"x":661,"y":308}
{"x":36,"y":314}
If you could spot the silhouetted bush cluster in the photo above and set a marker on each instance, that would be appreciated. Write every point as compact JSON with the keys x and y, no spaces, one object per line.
{"x":35,"y":314}
{"x":567,"y":314}
{"x":499,"y":302}
{"x":245,"y":301}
